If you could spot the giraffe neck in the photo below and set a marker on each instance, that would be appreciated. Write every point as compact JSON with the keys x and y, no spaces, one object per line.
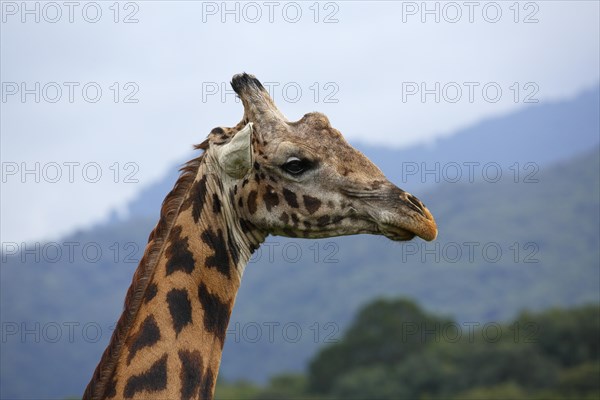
{"x":172,"y":348}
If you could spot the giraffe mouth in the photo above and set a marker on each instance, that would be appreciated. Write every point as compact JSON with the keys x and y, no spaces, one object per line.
{"x":397,"y":234}
{"x":413,"y":224}
{"x":400,"y":216}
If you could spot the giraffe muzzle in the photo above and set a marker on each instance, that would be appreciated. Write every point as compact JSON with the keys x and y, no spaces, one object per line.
{"x":410,"y":218}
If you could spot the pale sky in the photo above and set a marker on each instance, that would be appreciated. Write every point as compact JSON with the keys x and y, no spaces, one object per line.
{"x":364,"y":64}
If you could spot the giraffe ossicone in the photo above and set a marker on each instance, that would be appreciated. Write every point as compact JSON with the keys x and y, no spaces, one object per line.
{"x":264,"y":176}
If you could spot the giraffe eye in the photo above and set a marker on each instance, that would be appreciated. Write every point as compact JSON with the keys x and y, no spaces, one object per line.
{"x":295,"y":166}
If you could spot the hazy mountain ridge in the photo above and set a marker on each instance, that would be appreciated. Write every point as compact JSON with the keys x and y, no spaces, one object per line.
{"x":558,"y":214}
{"x":313,"y":294}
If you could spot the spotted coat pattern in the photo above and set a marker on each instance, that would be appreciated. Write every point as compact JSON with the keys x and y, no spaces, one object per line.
{"x":169,"y":340}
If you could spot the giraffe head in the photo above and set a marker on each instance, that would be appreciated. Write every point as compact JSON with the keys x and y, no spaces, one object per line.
{"x":302,"y":179}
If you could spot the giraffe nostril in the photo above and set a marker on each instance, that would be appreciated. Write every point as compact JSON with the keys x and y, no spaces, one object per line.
{"x":415,"y":204}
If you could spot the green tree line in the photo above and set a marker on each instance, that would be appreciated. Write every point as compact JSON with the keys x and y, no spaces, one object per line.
{"x":395,"y":350}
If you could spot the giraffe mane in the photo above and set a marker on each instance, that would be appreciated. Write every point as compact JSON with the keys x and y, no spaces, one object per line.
{"x":133,"y":300}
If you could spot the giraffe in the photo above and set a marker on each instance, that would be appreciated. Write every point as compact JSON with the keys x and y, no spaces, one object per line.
{"x":266,"y":175}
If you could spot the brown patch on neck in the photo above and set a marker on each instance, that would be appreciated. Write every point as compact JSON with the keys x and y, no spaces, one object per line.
{"x":99,"y":384}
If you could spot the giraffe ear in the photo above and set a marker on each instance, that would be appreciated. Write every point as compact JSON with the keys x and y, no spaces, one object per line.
{"x":235,"y":157}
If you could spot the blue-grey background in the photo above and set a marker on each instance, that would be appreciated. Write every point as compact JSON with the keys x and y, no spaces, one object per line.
{"x":162,"y":69}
